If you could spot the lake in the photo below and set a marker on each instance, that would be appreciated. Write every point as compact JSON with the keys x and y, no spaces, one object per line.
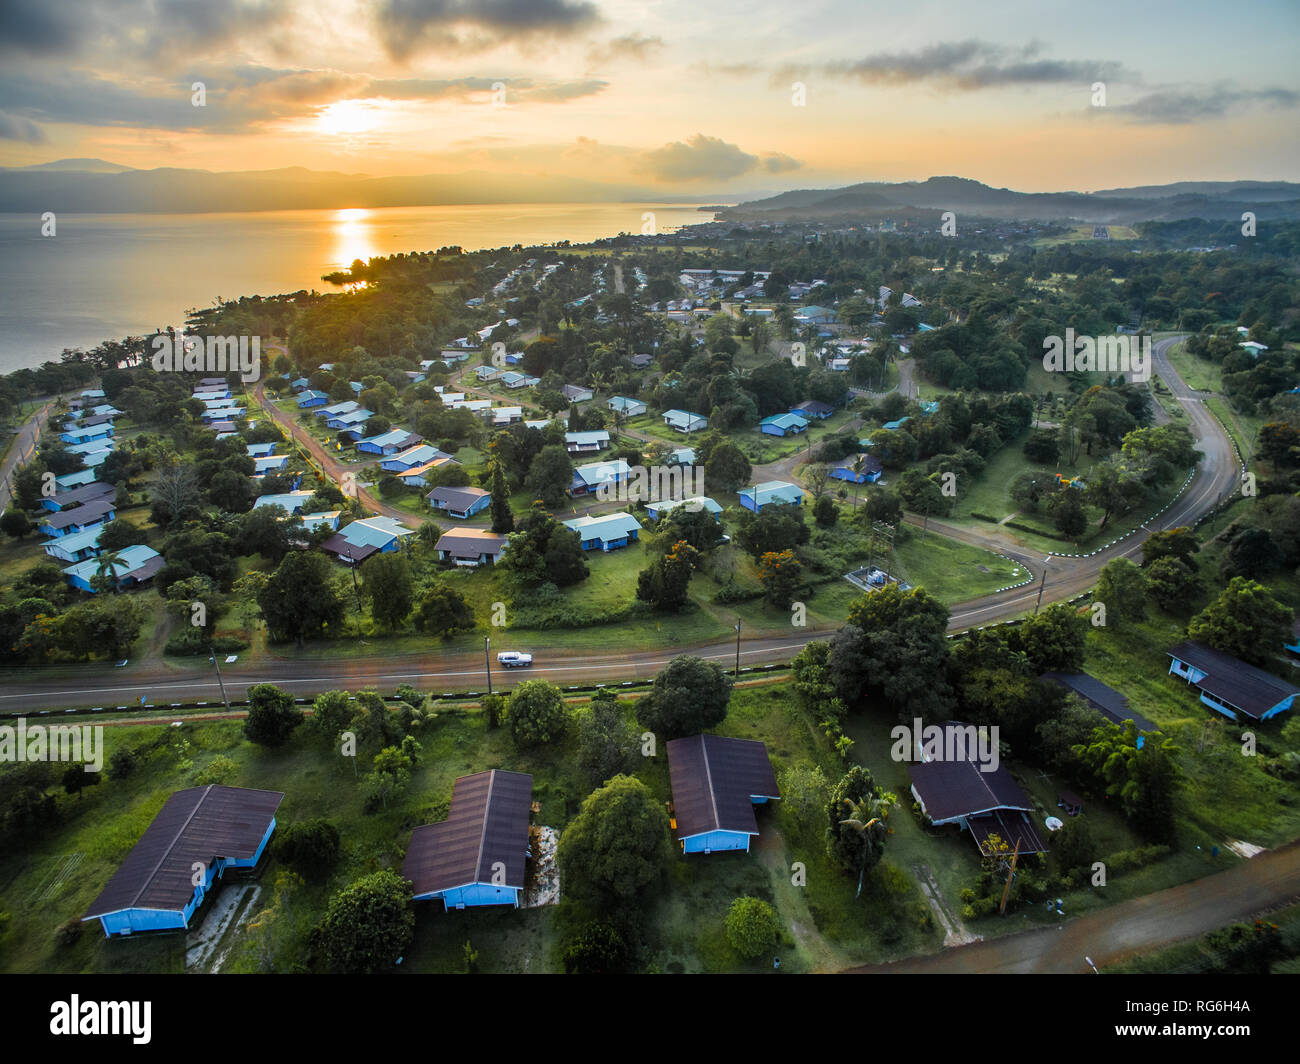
{"x":104,"y":276}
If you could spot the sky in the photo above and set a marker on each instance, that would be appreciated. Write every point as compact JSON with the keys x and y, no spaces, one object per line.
{"x":688,"y":98}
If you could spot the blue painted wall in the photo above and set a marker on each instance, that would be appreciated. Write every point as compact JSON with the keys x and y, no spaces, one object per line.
{"x":714,"y":841}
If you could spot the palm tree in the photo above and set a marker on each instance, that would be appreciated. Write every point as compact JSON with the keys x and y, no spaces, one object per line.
{"x":105,"y":576}
{"x":858,"y":463}
{"x":867,"y":817}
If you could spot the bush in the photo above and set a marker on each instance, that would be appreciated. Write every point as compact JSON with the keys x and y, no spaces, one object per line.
{"x":219,"y":770}
{"x":752,"y":927}
{"x":311,"y":846}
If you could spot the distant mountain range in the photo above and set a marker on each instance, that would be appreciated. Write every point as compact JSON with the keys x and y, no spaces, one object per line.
{"x":1211,"y":200}
{"x":96,"y":186}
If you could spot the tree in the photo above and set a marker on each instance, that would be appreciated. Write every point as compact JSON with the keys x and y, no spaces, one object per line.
{"x":503,"y":518}
{"x":14,"y":523}
{"x":299,"y":600}
{"x":386,"y":579}
{"x":597,"y":949}
{"x":77,"y":778}
{"x":1073,"y":845}
{"x":1251,"y":553}
{"x":688,"y":695}
{"x":825,"y":512}
{"x":1144,"y":780}
{"x":1121,"y":588}
{"x":781,"y":575}
{"x":272,"y":716}
{"x":727,"y":466}
{"x":1052,"y":641}
{"x":106,"y":566}
{"x":1245,"y":621}
{"x":311,"y":846}
{"x":774,"y":528}
{"x":856,"y":812}
{"x":617,"y":846}
{"x":442,"y":610}
{"x":752,"y":927}
{"x":606,"y":738}
{"x":536,"y":713}
{"x":1068,"y":515}
{"x":816,"y":477}
{"x":664,"y":583}
{"x":804,"y":793}
{"x":883,"y":505}
{"x":119,"y":534}
{"x":331,"y":713}
{"x":1177,"y":543}
{"x":367,"y":925}
{"x":551,"y":475}
{"x":1042,"y":446}
{"x":893,"y":650}
{"x":392,"y":772}
{"x":1170,"y":583}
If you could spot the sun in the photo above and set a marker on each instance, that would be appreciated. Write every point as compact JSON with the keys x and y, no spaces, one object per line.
{"x":347,"y":117}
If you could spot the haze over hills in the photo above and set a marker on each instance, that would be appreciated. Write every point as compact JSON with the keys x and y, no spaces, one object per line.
{"x":1189,"y":199}
{"x":96,"y":186}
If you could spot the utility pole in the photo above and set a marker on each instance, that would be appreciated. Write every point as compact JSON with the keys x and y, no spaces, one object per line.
{"x":487,"y":661}
{"x":353,"y":566}
{"x":738,"y":648}
{"x":220,"y":682}
{"x":1041,"y":586}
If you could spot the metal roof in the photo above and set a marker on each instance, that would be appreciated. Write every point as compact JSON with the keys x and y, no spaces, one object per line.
{"x":953,"y":789}
{"x":1102,"y":697}
{"x":1242,"y":686}
{"x":714,"y":779}
{"x":194,"y":825}
{"x":486,"y":829}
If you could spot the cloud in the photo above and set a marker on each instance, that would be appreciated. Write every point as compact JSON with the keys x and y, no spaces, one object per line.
{"x":1179,"y":107}
{"x":154,"y":28}
{"x":242,"y":97}
{"x":699,"y":158}
{"x":971,"y":65}
{"x":14,"y":128}
{"x":632,"y":46}
{"x":776,"y":162}
{"x":406,"y":27}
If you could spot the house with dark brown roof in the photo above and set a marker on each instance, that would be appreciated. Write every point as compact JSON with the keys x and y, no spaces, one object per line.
{"x":477,"y":855}
{"x":987,"y":803}
{"x":199,"y":834}
{"x":1229,"y":685}
{"x":716,"y":782}
{"x":1100,"y":696}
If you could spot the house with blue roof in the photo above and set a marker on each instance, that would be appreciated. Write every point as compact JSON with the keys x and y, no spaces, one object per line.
{"x":310,"y":399}
{"x":75,"y":479}
{"x":587,"y":478}
{"x":269,"y":463}
{"x":259,"y":450}
{"x":357,"y":387}
{"x":87,"y":433}
{"x":374,"y":535}
{"x":77,"y":546}
{"x":607,"y":532}
{"x":894,"y":426}
{"x":681,"y":456}
{"x":292,"y":501}
{"x":90,"y":446}
{"x":770,"y":493}
{"x":335,"y":409}
{"x":134,"y":566}
{"x":685,"y":421}
{"x":813,"y":408}
{"x":621,"y":404}
{"x":656,"y":510}
{"x":418,"y":455}
{"x":515,"y":380}
{"x":389,"y":443}
{"x":783,"y":425}
{"x":586,"y":442}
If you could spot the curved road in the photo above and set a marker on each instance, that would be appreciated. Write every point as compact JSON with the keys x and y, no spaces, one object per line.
{"x":164,"y":682}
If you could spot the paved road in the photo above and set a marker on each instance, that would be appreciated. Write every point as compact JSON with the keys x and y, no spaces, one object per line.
{"x":1161,"y":919}
{"x":24,"y":443}
{"x":166,"y":681}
